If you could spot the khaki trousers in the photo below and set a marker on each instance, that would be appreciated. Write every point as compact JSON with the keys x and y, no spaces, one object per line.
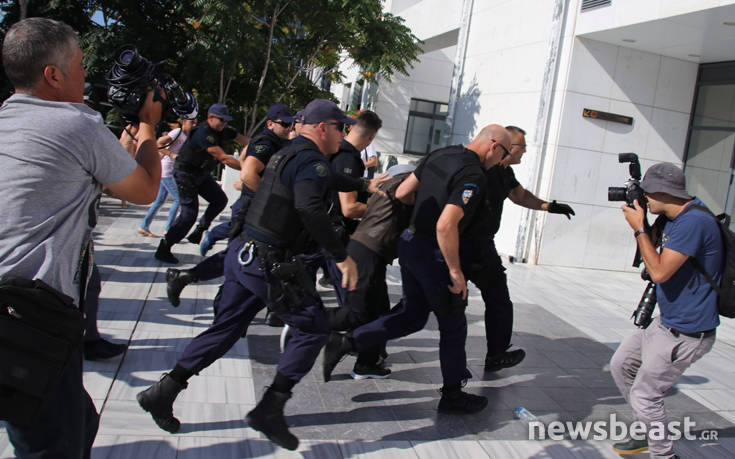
{"x":646,"y":365}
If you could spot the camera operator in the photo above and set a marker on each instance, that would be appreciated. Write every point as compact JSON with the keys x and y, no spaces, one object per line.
{"x":193,"y":175}
{"x":651,"y":360}
{"x":56,"y":153}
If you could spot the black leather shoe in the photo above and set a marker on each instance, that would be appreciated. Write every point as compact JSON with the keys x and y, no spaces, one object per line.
{"x":176,"y":280}
{"x":272,"y":320}
{"x":163,"y":253}
{"x":505,"y":359}
{"x":457,"y":402}
{"x":101,"y":349}
{"x":195,"y":237}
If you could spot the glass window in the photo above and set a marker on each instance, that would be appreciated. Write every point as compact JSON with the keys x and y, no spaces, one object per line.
{"x":425,"y":122}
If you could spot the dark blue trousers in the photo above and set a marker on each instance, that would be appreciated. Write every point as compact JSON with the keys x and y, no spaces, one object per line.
{"x":238,"y":301}
{"x":213,"y":266}
{"x":483,"y":267}
{"x":309,"y":333}
{"x":191,"y":186}
{"x":426,"y":283}
{"x":68,"y":424}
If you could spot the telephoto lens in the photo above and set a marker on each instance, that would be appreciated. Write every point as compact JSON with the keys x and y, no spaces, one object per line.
{"x":643,"y":314}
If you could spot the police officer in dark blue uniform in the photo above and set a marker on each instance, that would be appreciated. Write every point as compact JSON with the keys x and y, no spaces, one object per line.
{"x":287,"y":216}
{"x":449,"y":187}
{"x":192,"y":172}
{"x":480,"y":259}
{"x":272,"y":138}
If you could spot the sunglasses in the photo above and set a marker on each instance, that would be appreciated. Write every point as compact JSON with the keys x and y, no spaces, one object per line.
{"x":339,"y":124}
{"x":283,"y":123}
{"x":507,"y":153}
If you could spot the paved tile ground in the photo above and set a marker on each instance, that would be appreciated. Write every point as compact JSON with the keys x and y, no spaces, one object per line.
{"x":568,"y":320}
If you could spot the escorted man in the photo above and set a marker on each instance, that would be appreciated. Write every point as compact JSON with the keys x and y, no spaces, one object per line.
{"x":193,"y":175}
{"x":650,"y":361}
{"x":482,"y":263}
{"x":449,"y":188}
{"x":259,"y":151}
{"x":286,"y":217}
{"x":373,"y":246}
{"x":56,"y":152}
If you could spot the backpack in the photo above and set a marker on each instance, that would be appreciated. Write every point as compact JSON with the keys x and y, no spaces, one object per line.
{"x":726,"y":289}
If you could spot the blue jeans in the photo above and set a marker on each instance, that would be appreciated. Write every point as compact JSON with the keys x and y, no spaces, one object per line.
{"x":168,"y":186}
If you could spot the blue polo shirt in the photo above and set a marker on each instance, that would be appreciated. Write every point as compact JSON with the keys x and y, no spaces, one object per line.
{"x":687,"y":301}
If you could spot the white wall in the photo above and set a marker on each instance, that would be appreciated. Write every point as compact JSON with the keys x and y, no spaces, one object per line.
{"x":657,"y":91}
{"x":507,"y":54}
{"x":621,"y":13}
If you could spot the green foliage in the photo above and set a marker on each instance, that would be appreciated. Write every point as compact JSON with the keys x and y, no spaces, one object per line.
{"x":220,"y":48}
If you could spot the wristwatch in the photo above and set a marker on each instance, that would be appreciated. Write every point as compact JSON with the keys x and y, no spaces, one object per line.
{"x":639,"y":232}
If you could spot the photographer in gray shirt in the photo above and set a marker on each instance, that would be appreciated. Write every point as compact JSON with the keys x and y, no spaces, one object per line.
{"x":56,"y":154}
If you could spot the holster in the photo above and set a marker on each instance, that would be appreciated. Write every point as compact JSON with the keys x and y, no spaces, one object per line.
{"x":289,"y":284}
{"x":39,"y":329}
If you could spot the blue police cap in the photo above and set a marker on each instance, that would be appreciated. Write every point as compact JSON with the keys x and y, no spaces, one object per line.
{"x":221,"y":111}
{"x":319,"y":110}
{"x":280,"y":112}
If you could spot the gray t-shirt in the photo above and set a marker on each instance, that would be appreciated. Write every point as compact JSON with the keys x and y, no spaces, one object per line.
{"x":54,"y":156}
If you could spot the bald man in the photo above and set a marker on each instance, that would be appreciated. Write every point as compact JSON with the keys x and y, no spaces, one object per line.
{"x":448,"y":188}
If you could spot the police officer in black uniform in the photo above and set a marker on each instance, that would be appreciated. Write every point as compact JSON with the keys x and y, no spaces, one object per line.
{"x":193,"y":175}
{"x":286,"y":217}
{"x":347,"y":207}
{"x":449,"y":187}
{"x":482,"y":263}
{"x":269,"y":140}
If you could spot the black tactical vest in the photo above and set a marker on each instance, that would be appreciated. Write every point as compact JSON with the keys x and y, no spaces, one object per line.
{"x":272,"y":211}
{"x":433,"y":193}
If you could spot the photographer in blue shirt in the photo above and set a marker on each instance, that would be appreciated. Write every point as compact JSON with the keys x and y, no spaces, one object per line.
{"x":651,"y":360}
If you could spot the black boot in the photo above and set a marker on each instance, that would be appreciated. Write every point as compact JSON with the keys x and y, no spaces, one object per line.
{"x":195,"y":237}
{"x":337,"y":347}
{"x":455,"y":401}
{"x":159,"y":401}
{"x":164,"y":253}
{"x":176,"y":280}
{"x":273,"y":320}
{"x":267,"y":417}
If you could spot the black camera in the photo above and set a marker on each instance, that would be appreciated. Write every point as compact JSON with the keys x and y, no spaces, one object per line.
{"x":132,"y":76}
{"x":632,"y":188}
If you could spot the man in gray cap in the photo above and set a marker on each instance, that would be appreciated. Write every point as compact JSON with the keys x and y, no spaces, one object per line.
{"x":651,"y":360}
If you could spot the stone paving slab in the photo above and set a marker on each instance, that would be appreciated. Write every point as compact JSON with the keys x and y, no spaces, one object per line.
{"x":568,"y":320}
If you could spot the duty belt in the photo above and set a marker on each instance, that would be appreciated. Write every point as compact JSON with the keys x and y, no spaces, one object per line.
{"x":189,"y":169}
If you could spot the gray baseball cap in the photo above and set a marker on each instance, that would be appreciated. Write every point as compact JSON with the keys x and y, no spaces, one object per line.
{"x":665,"y":178}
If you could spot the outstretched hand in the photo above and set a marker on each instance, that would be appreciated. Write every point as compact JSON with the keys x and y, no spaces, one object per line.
{"x":560,"y":208}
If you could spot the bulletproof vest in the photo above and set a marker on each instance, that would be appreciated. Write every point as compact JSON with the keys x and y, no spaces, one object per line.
{"x":192,"y":158}
{"x":335,"y":208}
{"x":433,"y":192}
{"x":272,"y":211}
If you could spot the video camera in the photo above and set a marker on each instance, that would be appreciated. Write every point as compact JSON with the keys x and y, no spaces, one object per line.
{"x":132,"y":76}
{"x":632,"y":188}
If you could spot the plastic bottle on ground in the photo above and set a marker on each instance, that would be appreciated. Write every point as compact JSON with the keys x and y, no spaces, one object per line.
{"x":524,"y":415}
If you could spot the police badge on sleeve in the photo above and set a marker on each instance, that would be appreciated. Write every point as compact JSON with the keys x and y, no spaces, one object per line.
{"x":466,"y":196}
